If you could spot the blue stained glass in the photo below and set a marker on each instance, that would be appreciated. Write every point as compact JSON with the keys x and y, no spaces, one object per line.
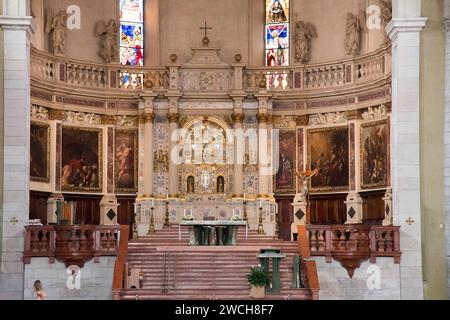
{"x":131,"y":35}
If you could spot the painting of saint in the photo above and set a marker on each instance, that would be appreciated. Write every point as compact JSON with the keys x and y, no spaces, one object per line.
{"x":125,"y":161}
{"x":285,"y":178}
{"x":374,"y":154}
{"x":328,"y":155}
{"x":277,"y":11}
{"x":39,"y":153}
{"x":81,"y":159}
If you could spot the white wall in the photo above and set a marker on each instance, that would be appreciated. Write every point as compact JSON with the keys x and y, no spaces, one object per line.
{"x":96,"y":280}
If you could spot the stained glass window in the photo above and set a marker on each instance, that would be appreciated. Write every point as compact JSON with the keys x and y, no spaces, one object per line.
{"x":132,"y":32}
{"x":277,"y":33}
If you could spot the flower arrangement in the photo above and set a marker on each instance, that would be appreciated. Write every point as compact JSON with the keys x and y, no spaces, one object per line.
{"x":188,"y":218}
{"x":258,"y":277}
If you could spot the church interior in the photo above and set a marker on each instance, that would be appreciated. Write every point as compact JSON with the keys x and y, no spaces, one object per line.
{"x":160,"y":149}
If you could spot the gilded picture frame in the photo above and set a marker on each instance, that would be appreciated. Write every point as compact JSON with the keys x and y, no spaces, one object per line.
{"x":82,"y":159}
{"x":375,"y":154}
{"x":40,"y":152}
{"x":126,"y":161}
{"x":328,"y":152}
{"x":285,"y":178}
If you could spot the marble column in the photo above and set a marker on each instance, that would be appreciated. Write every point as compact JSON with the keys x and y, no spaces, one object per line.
{"x":173,"y":141}
{"x":239,"y":154}
{"x":300,"y":202}
{"x":404,"y":31}
{"x":263,"y":158}
{"x":148,"y":154}
{"x":354,"y":201}
{"x":17,"y":27}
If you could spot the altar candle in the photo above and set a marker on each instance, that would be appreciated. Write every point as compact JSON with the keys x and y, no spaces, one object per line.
{"x":184,"y":213}
{"x":233,"y":212}
{"x":260,"y":202}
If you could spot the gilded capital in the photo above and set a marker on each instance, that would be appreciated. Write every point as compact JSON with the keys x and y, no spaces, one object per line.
{"x":353,"y":114}
{"x":56,"y":115}
{"x":238,"y":117}
{"x":262,"y":117}
{"x":149,"y":117}
{"x":173,"y":117}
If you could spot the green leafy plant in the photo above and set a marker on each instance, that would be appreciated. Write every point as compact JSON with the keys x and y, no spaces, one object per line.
{"x":258,"y":277}
{"x":236,"y":218}
{"x":189,"y":218}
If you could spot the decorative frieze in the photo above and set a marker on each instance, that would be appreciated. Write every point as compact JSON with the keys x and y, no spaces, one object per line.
{"x":82,"y":118}
{"x":375,"y":113}
{"x":285,"y":122}
{"x":327,"y":118}
{"x":39,"y":113}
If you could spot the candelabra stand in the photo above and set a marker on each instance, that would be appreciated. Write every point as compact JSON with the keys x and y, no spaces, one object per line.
{"x":260,"y":225}
{"x":151,"y":227}
{"x":167,"y":220}
{"x":245,"y":214}
{"x":135,"y":232}
{"x":277,"y":227}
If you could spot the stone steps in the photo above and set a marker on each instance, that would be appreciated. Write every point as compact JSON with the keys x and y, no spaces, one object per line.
{"x":204,"y":272}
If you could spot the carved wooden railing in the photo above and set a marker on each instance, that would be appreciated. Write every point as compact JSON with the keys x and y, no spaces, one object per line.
{"x":308,"y":269}
{"x":120,"y":270}
{"x":330,"y":75}
{"x":73,"y":245}
{"x":353,"y":244}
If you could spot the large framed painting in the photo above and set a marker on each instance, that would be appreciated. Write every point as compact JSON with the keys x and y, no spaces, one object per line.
{"x":285,"y":177}
{"x":81,"y":159}
{"x":40,"y":152}
{"x":375,"y":154}
{"x":328,"y":155}
{"x":126,"y":156}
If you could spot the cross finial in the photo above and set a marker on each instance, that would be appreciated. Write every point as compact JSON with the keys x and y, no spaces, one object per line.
{"x":205,"y":39}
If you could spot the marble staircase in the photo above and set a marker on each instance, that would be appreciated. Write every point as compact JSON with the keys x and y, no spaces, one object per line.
{"x":172,"y":269}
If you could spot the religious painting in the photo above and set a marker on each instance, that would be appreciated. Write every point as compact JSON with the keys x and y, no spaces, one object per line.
{"x":40,"y":152}
{"x":277,"y":11}
{"x":328,"y":156}
{"x":125,"y":168}
{"x":81,"y":159}
{"x":374,"y":154}
{"x":285,"y":177}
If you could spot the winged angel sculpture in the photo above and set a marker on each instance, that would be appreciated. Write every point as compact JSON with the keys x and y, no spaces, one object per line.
{"x":108,"y":31}
{"x":304,"y":33}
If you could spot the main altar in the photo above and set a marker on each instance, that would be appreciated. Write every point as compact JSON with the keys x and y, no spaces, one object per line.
{"x":213,"y":167}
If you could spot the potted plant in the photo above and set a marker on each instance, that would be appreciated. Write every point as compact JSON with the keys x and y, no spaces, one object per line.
{"x":259,"y":280}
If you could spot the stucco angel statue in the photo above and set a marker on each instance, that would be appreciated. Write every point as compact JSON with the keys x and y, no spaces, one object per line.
{"x":57,"y":25}
{"x":304,"y":32}
{"x":108,"y":31}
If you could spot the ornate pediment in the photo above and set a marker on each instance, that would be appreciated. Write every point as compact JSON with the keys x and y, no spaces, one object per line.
{"x":206,"y":57}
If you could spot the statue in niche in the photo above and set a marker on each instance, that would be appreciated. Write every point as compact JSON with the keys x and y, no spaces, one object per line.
{"x":109,"y":38}
{"x":220,"y":184}
{"x":190,"y":184}
{"x":355,"y":26}
{"x":304,"y":32}
{"x":161,"y":161}
{"x":57,"y":24}
{"x":386,"y":15}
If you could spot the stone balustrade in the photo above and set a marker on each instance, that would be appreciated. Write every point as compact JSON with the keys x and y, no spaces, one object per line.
{"x":344,"y":73}
{"x":73,"y":245}
{"x":353,"y":244}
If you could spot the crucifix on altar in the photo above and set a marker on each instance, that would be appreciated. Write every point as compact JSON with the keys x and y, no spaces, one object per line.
{"x":205,"y":40}
{"x":301,"y":201}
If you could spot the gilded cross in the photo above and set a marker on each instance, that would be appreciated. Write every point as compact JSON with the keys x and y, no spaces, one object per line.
{"x":206,"y":28}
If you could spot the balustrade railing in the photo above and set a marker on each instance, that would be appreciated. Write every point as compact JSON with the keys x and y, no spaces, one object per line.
{"x":74,"y":244}
{"x":349,"y":71}
{"x":352,"y":244}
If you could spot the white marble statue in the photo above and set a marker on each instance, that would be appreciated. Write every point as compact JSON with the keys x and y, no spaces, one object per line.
{"x":354,"y":28}
{"x":57,"y":25}
{"x":109,"y":38}
{"x":304,"y":32}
